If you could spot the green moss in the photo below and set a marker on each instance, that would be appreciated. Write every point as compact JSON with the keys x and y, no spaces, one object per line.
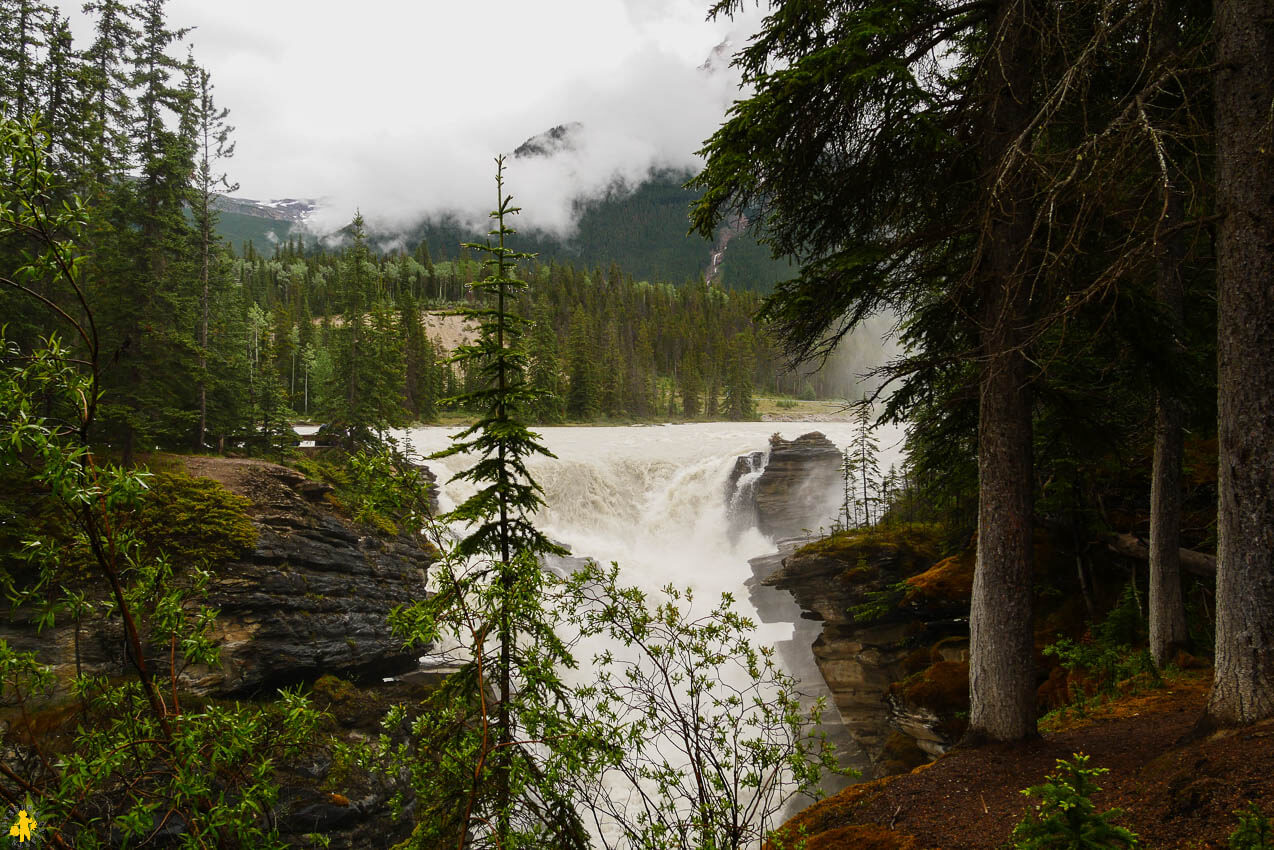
{"x":330,"y":690}
{"x":915,"y":544}
{"x":942,"y":688}
{"x":948,"y":581}
{"x":194,"y":521}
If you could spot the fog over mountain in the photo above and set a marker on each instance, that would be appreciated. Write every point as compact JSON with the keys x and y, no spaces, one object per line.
{"x":398,"y":110}
{"x":653,"y":117}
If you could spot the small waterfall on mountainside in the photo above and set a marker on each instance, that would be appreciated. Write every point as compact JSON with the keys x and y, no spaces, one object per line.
{"x":670,"y":505}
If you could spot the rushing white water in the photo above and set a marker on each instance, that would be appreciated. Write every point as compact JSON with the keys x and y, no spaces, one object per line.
{"x":655,"y":500}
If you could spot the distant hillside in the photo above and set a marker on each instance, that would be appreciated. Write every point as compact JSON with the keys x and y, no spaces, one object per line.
{"x":262,"y":223}
{"x":644,"y":232}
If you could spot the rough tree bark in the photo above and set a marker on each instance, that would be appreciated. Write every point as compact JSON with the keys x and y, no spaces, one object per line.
{"x":1167,"y":611}
{"x":1243,"y":687}
{"x":1001,"y":661}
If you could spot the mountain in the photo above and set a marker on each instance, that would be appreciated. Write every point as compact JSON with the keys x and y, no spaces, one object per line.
{"x":261,"y":222}
{"x":642,"y":230}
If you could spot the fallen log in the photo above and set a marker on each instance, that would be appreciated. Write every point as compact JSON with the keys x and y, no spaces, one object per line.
{"x":1132,"y":546}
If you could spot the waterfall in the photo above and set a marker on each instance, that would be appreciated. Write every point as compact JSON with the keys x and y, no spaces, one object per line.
{"x":741,"y":504}
{"x":669,"y":504}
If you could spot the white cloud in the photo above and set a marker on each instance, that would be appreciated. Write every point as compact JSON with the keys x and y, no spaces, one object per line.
{"x":398,"y":108}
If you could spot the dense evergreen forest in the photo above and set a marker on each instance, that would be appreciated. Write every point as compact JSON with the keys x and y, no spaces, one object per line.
{"x":603,"y":345}
{"x":208,"y":349}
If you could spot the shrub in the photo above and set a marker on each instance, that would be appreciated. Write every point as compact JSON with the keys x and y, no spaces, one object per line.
{"x":1065,"y":817}
{"x":1254,"y":832}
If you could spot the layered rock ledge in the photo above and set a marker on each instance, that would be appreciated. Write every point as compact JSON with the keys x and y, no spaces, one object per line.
{"x":311,"y":597}
{"x":893,"y":643}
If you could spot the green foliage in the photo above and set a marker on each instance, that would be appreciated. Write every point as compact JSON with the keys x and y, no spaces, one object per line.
{"x":878,"y":604}
{"x":1107,"y":654}
{"x":135,"y":758}
{"x":1065,"y":818}
{"x":381,"y":488}
{"x":1254,"y":832}
{"x":129,"y":763}
{"x":703,"y":738}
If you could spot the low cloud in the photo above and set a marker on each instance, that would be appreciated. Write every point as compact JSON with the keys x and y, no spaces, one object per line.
{"x":652,"y":115}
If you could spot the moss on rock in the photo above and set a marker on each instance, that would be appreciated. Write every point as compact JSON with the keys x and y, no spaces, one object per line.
{"x":950,"y":581}
{"x":942,"y":688}
{"x":193,"y":521}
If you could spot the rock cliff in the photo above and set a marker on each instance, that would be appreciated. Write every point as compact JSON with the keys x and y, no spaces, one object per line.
{"x":310,"y":597}
{"x":313,"y":596}
{"x":893,"y":644}
{"x":798,"y":489}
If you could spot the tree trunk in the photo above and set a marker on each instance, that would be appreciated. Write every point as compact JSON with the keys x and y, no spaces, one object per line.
{"x":1243,"y":687}
{"x":1001,"y":642}
{"x":1167,"y":609}
{"x":205,"y":246}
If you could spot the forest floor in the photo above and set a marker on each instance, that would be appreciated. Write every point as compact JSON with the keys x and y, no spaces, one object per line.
{"x":1174,"y":794}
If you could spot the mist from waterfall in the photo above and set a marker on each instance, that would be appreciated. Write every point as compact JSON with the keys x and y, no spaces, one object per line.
{"x":653,"y":499}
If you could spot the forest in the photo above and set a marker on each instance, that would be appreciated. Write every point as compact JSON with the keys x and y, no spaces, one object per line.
{"x":1067,"y":206}
{"x":210,"y":349}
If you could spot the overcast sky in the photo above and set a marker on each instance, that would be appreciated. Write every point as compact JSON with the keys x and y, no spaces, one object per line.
{"x":399,"y":107}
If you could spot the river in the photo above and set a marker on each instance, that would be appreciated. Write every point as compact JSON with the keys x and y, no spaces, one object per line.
{"x":653,"y":499}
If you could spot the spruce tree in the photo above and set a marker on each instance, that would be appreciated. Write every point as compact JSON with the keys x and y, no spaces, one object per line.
{"x":498,"y":515}
{"x":866,"y":462}
{"x":213,"y":144}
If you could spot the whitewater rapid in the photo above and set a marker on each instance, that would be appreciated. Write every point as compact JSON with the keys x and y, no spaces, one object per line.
{"x":653,"y":499}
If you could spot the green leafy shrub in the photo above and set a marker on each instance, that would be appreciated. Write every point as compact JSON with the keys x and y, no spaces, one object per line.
{"x":128,"y":763}
{"x":1066,"y":818}
{"x":1254,"y":832}
{"x":878,"y":604}
{"x":1107,"y":655}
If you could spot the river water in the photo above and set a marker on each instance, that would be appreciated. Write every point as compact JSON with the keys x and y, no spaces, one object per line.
{"x":655,"y":500}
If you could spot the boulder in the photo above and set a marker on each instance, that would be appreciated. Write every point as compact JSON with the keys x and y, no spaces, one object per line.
{"x":799,"y":489}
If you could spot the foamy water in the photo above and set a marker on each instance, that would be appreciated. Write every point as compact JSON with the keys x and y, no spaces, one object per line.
{"x":655,"y":500}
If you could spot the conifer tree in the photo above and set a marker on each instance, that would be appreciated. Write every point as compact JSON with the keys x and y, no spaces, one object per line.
{"x":500,"y":529}
{"x":738,"y":386}
{"x":584,"y":400}
{"x":866,"y":461}
{"x":545,"y":370}
{"x":690,"y":386}
{"x":106,"y":85}
{"x":22,"y":37}
{"x":213,"y":144}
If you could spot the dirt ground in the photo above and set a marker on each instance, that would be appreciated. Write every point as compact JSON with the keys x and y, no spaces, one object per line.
{"x":1174,"y":795}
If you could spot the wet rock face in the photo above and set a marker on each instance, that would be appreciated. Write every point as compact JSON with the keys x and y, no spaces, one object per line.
{"x":797,"y":491}
{"x":312,"y":597}
{"x":872,"y":664}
